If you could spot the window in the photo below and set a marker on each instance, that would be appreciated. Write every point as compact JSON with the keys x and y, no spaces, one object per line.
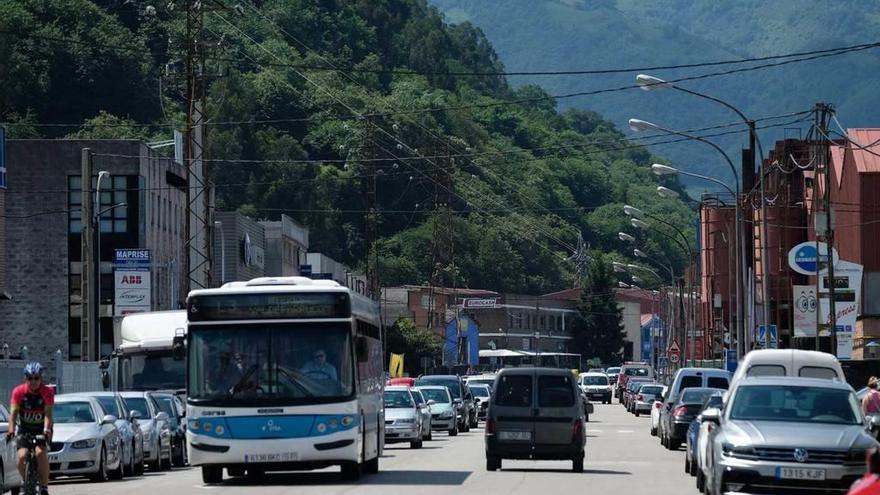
{"x":796,"y":404}
{"x":514,"y":391}
{"x":555,"y":391}
{"x":690,"y":382}
{"x":817,"y":372}
{"x":72,"y":412}
{"x":766,"y":370}
{"x":717,"y":382}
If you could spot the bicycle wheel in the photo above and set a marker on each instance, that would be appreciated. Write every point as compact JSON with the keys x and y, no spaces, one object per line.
{"x":30,"y":476}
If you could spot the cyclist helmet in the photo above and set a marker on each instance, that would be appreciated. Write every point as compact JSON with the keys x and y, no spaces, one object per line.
{"x":33,"y":368}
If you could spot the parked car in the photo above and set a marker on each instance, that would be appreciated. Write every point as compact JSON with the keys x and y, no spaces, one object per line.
{"x":698,"y":441}
{"x":684,"y":409}
{"x":465,"y":412}
{"x":535,"y":414}
{"x":596,"y":386}
{"x":85,"y":440}
{"x":481,"y":394}
{"x":754,"y":446}
{"x":132,"y":436}
{"x":632,"y":387}
{"x":639,"y":370}
{"x":612,"y":374}
{"x":171,"y":405}
{"x":405,"y":381}
{"x":485,"y":379}
{"x":655,"y":412}
{"x":403,"y":419}
{"x":9,"y":477}
{"x":790,"y":362}
{"x":154,"y":423}
{"x":692,"y":436}
{"x":646,"y":396}
{"x":595,"y":370}
{"x":689,"y":378}
{"x":442,"y":408}
{"x":425,"y":411}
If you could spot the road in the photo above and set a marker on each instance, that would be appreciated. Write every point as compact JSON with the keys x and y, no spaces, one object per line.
{"x":621,"y":456}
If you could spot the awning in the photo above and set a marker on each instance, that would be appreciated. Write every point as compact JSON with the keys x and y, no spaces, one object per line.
{"x":513,"y":353}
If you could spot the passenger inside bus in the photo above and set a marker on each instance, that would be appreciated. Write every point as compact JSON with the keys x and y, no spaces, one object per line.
{"x":319,"y":369}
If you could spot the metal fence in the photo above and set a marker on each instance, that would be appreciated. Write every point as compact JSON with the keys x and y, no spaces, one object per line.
{"x":67,"y":376}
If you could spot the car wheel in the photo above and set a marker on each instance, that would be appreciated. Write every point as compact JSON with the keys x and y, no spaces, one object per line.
{"x":673,"y":444}
{"x":454,"y":431}
{"x":212,"y":474}
{"x":417,"y":444}
{"x":430,"y":436}
{"x":493,"y":463}
{"x":701,"y":481}
{"x":165,"y":464}
{"x":586,"y":418}
{"x":653,"y":431}
{"x":687,"y":464}
{"x":129,"y":466}
{"x":119,"y":472}
{"x":637,"y":413}
{"x":577,"y":465}
{"x":101,"y":475}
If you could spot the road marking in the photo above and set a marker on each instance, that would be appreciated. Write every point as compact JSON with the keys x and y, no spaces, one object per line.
{"x":624,"y":431}
{"x":594,"y":431}
{"x":204,"y":487}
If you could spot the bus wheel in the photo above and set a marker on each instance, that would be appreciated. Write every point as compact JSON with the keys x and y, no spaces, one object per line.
{"x":351,"y":471}
{"x":212,"y":474}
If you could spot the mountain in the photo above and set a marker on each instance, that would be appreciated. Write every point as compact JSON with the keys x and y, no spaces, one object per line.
{"x":288,"y":85}
{"x":532,"y":35}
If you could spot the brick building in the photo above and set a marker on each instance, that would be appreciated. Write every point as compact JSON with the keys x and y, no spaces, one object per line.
{"x":43,"y":236}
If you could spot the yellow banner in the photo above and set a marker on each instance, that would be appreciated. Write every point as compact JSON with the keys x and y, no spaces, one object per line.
{"x":395,"y":368}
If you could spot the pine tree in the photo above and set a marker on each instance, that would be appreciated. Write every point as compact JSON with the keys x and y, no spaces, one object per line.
{"x":598,"y":326}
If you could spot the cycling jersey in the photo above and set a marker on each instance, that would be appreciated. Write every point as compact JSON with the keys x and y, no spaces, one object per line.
{"x":32,"y":407}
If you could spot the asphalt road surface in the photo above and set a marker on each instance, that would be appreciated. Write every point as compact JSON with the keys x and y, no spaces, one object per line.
{"x":621,"y":458}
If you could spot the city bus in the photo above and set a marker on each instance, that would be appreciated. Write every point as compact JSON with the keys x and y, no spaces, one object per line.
{"x":283,"y":374}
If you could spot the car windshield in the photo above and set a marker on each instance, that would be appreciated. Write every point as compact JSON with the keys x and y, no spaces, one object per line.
{"x":796,"y":404}
{"x":110,"y":405}
{"x":480,"y":391}
{"x":138,"y":404}
{"x":73,"y":412}
{"x":595,"y":380}
{"x":636,"y":372}
{"x":695,"y":396}
{"x":258,"y":362}
{"x":450,"y":383}
{"x":153,"y":371}
{"x":436,"y":395}
{"x":397,"y":399}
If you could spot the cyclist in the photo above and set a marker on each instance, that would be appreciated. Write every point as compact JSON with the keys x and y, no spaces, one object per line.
{"x":31,"y":405}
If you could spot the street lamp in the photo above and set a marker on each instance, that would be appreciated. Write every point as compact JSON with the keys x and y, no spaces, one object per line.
{"x":666,"y":192}
{"x":641,"y":125}
{"x":648,"y":82}
{"x":639,"y":253}
{"x":97,"y":222}
{"x":639,"y":224}
{"x":618,"y":267}
{"x":623,"y":285}
{"x":623,"y":236}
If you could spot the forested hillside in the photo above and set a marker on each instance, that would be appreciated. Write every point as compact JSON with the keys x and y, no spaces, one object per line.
{"x":310,"y":101}
{"x":560,"y":35}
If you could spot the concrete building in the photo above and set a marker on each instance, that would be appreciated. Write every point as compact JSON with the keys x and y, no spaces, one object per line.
{"x":239,"y":248}
{"x":324,"y":267}
{"x":43,"y":237}
{"x":287,"y":243}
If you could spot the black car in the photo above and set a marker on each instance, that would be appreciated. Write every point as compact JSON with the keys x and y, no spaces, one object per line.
{"x":171,"y":405}
{"x":683,"y":410}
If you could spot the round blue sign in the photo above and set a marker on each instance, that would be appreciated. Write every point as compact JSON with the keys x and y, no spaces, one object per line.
{"x":802,"y":258}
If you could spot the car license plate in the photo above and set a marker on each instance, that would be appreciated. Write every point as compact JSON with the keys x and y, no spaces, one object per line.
{"x":53,"y":458}
{"x":800,"y":474}
{"x":515,"y":435}
{"x":279,"y":457}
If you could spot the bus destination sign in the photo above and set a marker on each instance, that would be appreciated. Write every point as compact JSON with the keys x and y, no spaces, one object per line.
{"x":265,"y":306}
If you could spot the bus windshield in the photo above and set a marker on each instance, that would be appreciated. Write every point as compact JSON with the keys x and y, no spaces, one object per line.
{"x":153,"y":371}
{"x":259,"y":363}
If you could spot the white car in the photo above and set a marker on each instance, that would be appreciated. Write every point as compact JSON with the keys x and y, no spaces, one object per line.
{"x":154,"y":424}
{"x":403,"y":419}
{"x":9,"y":477}
{"x":655,"y":412}
{"x":86,"y":441}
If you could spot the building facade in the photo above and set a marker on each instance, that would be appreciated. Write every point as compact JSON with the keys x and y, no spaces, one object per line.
{"x":239,"y":248}
{"x":143,"y":203}
{"x":287,"y":243}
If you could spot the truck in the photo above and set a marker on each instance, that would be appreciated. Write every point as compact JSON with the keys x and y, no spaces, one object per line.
{"x":151,"y":354}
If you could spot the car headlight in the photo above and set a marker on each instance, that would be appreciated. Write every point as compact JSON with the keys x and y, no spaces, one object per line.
{"x":84,"y":444}
{"x":729,"y":450}
{"x":446,"y":415}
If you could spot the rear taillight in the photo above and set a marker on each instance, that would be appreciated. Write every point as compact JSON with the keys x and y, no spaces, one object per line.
{"x":490,"y":426}
{"x":657,"y":405}
{"x":680,"y":411}
{"x":640,"y":397}
{"x":577,"y":429}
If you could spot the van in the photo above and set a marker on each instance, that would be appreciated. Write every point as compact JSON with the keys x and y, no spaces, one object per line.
{"x":686,"y":378}
{"x":790,"y":362}
{"x":535,"y":413}
{"x":641,"y":370}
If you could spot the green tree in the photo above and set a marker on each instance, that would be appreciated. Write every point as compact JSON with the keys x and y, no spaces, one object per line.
{"x":413,"y":342}
{"x":598,"y":326}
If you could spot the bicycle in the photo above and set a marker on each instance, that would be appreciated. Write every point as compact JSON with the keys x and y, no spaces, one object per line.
{"x":31,"y":483}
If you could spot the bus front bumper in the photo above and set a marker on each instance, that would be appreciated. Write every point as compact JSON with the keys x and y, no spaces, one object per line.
{"x":274,"y":453}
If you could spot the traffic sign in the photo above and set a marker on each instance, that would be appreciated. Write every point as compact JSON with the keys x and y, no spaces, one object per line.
{"x":673,"y":358}
{"x":674,"y":348}
{"x":762,"y":337}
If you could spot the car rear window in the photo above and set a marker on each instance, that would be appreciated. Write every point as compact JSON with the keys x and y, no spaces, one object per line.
{"x":637,"y":372}
{"x":766,"y":370}
{"x":651,"y":390}
{"x":717,"y":382}
{"x":691,"y":382}
{"x":514,"y":391}
{"x":555,"y":391}
{"x":817,"y":372}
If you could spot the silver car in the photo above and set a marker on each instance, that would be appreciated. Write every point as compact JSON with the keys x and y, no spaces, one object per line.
{"x":754,"y":450}
{"x":442,"y":408}
{"x":403,"y":420}
{"x":132,"y":436}
{"x":425,"y":411}
{"x":85,"y":441}
{"x":154,"y":423}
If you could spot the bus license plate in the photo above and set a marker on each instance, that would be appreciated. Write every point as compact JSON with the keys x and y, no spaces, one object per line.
{"x":515,"y":435}
{"x":279,"y":457}
{"x":800,"y":474}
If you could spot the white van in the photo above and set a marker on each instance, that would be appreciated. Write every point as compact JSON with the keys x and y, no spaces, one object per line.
{"x":697,"y":378}
{"x":790,"y":362}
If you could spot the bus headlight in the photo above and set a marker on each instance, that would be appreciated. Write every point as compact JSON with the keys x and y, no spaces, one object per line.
{"x":347,"y":420}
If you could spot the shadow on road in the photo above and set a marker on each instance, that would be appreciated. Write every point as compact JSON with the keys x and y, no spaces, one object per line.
{"x":435,"y":478}
{"x":569,"y":471}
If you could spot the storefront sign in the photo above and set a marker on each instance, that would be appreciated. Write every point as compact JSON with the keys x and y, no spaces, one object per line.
{"x":802,"y":258}
{"x":847,"y":296}
{"x":805,"y":305}
{"x":488,"y":303}
{"x":133,"y":292}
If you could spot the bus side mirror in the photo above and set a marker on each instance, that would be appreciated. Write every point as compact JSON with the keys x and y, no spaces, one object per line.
{"x":105,"y":379}
{"x":178,"y":345}
{"x":363,"y":349}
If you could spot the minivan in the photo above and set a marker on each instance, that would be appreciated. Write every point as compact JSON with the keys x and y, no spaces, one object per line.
{"x":535,"y":413}
{"x":790,"y":362}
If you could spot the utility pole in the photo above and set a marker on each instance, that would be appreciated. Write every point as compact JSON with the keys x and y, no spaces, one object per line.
{"x":823,"y":164}
{"x":90,"y":299}
{"x":369,"y":184}
{"x":442,"y":241}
